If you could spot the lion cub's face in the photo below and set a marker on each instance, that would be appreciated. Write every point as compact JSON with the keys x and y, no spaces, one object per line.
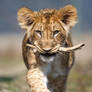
{"x":47,"y":28}
{"x":48,"y":33}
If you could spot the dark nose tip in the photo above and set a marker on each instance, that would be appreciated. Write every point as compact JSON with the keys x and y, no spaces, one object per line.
{"x":47,"y":49}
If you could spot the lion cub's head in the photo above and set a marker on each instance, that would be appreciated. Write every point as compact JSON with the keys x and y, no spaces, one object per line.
{"x":47,"y":28}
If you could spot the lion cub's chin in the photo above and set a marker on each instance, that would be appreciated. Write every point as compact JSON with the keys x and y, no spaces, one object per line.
{"x":47,"y":57}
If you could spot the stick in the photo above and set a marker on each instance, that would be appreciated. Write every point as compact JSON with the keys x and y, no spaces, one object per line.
{"x":32,"y":46}
{"x":73,"y":48}
{"x":64,"y":49}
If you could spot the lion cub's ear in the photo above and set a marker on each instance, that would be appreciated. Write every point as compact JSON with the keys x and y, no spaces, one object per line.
{"x":25,"y":17}
{"x":68,"y":16}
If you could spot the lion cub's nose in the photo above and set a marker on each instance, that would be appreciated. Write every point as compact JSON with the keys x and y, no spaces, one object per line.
{"x":47,"y":49}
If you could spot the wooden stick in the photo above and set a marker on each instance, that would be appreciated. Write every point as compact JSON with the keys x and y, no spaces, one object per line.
{"x":32,"y":46}
{"x":64,"y":49}
{"x":73,"y":48}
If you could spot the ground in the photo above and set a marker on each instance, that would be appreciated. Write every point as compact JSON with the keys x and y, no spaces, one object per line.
{"x":13,"y":78}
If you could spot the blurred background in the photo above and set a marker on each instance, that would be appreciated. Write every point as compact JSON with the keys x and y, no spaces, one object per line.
{"x":12,"y":68}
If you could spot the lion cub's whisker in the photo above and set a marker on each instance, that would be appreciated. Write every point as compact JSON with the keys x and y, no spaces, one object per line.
{"x":73,"y":48}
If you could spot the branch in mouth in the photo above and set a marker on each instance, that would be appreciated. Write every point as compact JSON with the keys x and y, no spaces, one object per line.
{"x":62,"y":49}
{"x":33,"y":47}
{"x":73,"y":48}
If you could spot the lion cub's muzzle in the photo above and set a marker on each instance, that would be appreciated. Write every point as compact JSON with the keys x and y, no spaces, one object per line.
{"x":47,"y":45}
{"x":46,"y":51}
{"x":47,"y":55}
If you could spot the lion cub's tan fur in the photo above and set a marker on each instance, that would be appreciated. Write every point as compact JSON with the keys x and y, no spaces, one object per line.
{"x":47,"y":68}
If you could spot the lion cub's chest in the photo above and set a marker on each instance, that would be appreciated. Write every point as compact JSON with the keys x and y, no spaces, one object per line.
{"x":55,"y":67}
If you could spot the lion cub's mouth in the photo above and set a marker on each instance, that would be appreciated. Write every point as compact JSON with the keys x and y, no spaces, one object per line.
{"x":47,"y":57}
{"x":48,"y":54}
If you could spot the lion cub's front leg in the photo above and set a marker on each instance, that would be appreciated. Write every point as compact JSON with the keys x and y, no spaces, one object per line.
{"x":37,"y":80}
{"x":35,"y":77}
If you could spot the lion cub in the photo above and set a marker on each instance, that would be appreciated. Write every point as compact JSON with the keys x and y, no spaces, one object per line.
{"x":46,"y":30}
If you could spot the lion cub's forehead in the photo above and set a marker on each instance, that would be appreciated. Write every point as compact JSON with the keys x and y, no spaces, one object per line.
{"x":46,"y":15}
{"x":51,"y":26}
{"x":47,"y":18}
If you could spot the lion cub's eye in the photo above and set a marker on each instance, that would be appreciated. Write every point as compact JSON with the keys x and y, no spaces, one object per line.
{"x":39,"y":33}
{"x":55,"y":33}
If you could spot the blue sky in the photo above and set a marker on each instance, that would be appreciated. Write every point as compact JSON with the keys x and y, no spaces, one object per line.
{"x":9,"y":8}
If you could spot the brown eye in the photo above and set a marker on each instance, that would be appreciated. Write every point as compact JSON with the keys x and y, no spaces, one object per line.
{"x":39,"y":33}
{"x":55,"y":33}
